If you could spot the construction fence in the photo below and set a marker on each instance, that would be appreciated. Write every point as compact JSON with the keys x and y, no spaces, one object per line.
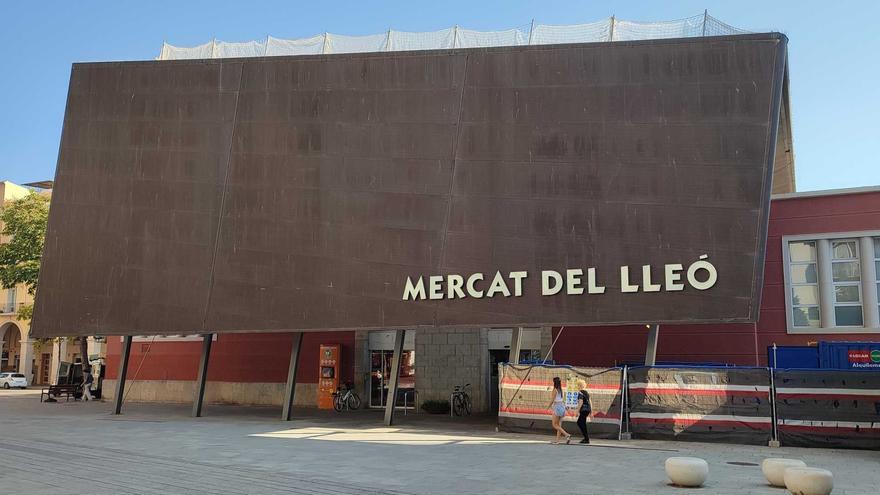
{"x":610,"y":29}
{"x":805,"y":408}
{"x":523,"y":393}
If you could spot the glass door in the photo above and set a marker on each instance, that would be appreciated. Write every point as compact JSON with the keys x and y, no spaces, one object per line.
{"x":380,"y":376}
{"x":380,"y":371}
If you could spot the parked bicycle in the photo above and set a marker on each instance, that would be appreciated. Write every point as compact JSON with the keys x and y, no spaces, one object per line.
{"x":461,"y":400}
{"x":346,"y":398}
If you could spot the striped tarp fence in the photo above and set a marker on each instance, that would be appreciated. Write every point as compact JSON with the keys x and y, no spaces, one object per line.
{"x":525,"y":394}
{"x":828,"y":408}
{"x":730,"y":405}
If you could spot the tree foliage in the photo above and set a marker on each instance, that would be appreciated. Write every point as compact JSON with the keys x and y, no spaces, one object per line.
{"x":25,"y":312}
{"x":24,"y":230}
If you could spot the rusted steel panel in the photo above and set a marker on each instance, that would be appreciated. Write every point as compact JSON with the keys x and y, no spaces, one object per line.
{"x":299,"y":193}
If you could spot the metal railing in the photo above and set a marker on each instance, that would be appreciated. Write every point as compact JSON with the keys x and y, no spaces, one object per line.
{"x":10,"y":308}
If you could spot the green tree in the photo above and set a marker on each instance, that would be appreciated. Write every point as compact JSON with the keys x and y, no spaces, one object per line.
{"x":24,"y":233}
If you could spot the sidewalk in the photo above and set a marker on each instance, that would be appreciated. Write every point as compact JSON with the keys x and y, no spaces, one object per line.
{"x":155,"y":448}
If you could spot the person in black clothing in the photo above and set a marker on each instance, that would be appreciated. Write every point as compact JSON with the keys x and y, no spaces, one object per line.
{"x":584,"y":410}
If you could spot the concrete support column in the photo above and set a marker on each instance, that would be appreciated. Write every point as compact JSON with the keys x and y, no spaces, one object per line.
{"x":486,"y":378}
{"x":26,"y":359}
{"x":651,"y":349}
{"x":826,"y":284}
{"x":96,"y":348}
{"x":59,"y":353}
{"x":869,"y":283}
{"x":391,"y":400}
{"x":515,"y":345}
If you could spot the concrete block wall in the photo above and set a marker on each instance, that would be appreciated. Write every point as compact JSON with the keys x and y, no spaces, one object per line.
{"x":449,"y":357}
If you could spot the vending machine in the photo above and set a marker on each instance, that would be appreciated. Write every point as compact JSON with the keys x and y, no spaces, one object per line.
{"x":328,"y":374}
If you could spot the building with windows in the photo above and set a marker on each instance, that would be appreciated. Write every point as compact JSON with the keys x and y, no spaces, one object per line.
{"x":17,"y":348}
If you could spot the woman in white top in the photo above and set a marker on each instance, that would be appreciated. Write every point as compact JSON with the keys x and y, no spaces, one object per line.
{"x":557,"y":409}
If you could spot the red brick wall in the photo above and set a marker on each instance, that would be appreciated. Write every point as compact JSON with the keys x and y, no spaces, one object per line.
{"x":734,"y":343}
{"x":235,"y":357}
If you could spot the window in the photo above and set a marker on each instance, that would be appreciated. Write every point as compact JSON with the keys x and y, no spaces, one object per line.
{"x":804,"y":284}
{"x":832,"y":282}
{"x":846,"y":278}
{"x":10,"y":301}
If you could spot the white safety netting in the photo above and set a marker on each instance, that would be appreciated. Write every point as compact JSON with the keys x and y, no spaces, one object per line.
{"x":304,"y":46}
{"x":610,"y":29}
{"x":546,"y":34}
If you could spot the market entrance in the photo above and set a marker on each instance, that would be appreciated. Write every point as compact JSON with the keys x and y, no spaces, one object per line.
{"x":381,"y":354}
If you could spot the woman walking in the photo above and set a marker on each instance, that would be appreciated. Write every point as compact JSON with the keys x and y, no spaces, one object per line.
{"x":584,"y":410}
{"x":557,"y":409}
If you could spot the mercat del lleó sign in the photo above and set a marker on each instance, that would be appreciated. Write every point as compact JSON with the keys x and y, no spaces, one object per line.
{"x":572,"y":282}
{"x":575,"y":184}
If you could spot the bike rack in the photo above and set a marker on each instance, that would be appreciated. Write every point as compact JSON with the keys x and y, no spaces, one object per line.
{"x":451,"y":408}
{"x":415,"y":394}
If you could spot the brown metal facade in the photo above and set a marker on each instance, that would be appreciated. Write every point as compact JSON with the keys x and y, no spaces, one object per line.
{"x":299,"y":193}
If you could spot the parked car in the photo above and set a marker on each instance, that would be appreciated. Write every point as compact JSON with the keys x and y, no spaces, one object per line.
{"x":10,"y":380}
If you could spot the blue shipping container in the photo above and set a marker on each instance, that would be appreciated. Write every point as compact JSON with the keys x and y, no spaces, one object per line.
{"x":864,"y":356}
{"x":793,"y":356}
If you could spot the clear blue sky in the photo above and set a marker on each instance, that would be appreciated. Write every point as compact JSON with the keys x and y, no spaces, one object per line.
{"x":834,"y":52}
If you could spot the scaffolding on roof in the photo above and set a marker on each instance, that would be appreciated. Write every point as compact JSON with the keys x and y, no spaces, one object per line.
{"x":611,"y":29}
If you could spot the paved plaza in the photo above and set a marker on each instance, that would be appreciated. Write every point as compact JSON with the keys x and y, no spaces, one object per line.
{"x":158,"y":449}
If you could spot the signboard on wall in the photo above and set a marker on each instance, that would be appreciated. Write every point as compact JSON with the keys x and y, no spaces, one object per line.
{"x":604,"y":183}
{"x":864,"y":358}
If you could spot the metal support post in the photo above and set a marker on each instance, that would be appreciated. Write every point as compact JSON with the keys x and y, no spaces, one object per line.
{"x":199,"y":398}
{"x":123,"y":371}
{"x":391,"y":400}
{"x":774,"y":440}
{"x":290,"y":391}
{"x":515,"y":345}
{"x":624,"y":404}
{"x":651,"y":350}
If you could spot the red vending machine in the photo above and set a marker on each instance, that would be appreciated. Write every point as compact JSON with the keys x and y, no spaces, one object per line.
{"x":328,"y":375}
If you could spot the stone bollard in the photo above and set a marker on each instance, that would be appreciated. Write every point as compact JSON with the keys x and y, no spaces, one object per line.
{"x":809,"y":481}
{"x":774,"y":469}
{"x":687,"y":471}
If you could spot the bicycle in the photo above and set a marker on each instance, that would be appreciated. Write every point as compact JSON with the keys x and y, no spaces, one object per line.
{"x":346,"y":398}
{"x":461,"y":401}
